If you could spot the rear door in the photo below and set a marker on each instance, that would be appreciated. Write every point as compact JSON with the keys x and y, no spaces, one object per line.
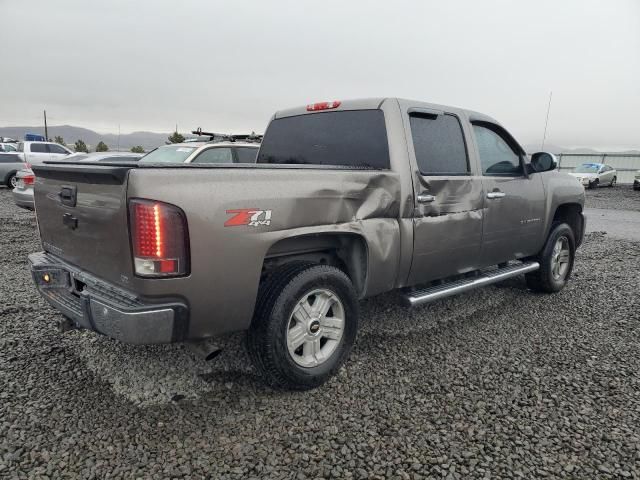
{"x":448,"y":197}
{"x":82,"y":217}
{"x":513,"y":203}
{"x":36,"y":152}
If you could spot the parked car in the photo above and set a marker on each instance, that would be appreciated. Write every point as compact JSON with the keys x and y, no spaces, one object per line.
{"x":636,"y":181}
{"x":10,"y":163}
{"x":23,"y":191}
{"x":38,"y":152}
{"x":347,"y":200}
{"x":204,"y":152}
{"x":593,"y":175}
{"x":8,"y":147}
{"x":103,"y":157}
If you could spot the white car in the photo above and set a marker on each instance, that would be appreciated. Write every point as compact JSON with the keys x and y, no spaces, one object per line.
{"x":593,"y":175}
{"x":38,"y":152}
{"x":204,"y":152}
{"x":8,"y":147}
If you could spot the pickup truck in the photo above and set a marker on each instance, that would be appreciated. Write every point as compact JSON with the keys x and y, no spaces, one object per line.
{"x":347,"y":200}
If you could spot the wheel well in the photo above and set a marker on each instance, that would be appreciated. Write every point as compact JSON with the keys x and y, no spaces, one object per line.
{"x":345,"y":251}
{"x":8,"y":176}
{"x":570,"y":214}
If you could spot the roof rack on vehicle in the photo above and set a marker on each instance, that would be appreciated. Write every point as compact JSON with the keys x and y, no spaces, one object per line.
{"x":225,"y":137}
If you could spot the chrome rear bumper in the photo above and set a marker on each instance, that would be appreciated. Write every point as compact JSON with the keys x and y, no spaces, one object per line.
{"x":96,"y":305}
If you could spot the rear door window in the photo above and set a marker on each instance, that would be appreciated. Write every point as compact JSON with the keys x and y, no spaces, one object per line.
{"x":439,"y":144}
{"x":356,"y":139}
{"x":246,"y":154}
{"x":39,"y":148}
{"x":215,"y":155}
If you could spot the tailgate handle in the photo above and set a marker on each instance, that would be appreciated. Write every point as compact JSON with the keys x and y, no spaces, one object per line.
{"x":68,"y":195}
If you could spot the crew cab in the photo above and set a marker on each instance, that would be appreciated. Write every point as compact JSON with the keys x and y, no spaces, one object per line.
{"x":348,"y":199}
{"x":38,"y":152}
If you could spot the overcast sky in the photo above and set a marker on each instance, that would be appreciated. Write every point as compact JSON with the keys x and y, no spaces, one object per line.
{"x":228,"y":65}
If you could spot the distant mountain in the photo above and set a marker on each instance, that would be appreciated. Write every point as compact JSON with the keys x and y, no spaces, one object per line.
{"x":556,"y":150}
{"x":148,"y":140}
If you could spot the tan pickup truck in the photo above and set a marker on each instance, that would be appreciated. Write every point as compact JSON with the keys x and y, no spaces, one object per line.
{"x":347,"y":200}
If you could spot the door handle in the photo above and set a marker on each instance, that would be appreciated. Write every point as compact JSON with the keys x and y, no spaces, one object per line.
{"x":496,"y":194}
{"x":425,"y":198}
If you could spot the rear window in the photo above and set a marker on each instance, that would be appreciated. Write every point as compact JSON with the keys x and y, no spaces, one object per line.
{"x":246,"y":154}
{"x":439,"y":144}
{"x":351,"y":138}
{"x":168,"y":154}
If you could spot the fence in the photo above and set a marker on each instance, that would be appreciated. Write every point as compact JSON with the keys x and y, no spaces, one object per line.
{"x":626,"y":164}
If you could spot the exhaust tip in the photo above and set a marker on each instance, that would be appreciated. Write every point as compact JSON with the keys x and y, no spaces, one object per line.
{"x":206,"y":349}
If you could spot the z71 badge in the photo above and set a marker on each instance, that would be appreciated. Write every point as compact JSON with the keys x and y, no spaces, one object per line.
{"x":251,"y":217}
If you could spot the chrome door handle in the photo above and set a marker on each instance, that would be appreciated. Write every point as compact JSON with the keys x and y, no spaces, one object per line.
{"x":425,"y":198}
{"x":495,"y":194}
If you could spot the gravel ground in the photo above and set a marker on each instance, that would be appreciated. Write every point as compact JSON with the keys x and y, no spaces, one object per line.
{"x":620,"y":197}
{"x":499,"y":383}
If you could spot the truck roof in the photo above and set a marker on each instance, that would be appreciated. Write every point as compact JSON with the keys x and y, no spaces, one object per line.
{"x":376,"y":102}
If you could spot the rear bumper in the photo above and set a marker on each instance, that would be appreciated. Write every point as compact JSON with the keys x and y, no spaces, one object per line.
{"x":96,"y":305}
{"x":23,"y":198}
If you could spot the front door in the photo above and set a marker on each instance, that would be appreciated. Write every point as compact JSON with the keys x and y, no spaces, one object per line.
{"x":513,"y":203}
{"x":448,"y":198}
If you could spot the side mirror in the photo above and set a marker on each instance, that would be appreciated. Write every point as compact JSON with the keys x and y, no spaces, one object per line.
{"x":543,"y":162}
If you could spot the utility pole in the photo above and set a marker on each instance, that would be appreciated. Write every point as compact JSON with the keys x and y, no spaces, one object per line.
{"x":546,"y":122}
{"x":46,"y":131}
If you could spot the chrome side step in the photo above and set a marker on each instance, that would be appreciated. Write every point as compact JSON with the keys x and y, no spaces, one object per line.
{"x":430,"y":294}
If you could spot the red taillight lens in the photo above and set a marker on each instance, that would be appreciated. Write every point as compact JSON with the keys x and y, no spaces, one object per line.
{"x":159,"y":239}
{"x":28,"y":179}
{"x":323,"y":106}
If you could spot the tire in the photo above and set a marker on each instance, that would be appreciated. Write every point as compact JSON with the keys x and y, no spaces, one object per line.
{"x":12,"y":181}
{"x":275,"y":331}
{"x":549,"y":278}
{"x":594,"y":184}
{"x":613,"y":182}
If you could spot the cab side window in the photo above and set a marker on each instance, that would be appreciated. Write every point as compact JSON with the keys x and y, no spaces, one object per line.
{"x":57,"y":149}
{"x":497,"y":157}
{"x":439,"y":144}
{"x":215,"y":155}
{"x":39,"y":148}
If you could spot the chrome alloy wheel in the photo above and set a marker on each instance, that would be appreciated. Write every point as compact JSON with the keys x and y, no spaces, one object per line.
{"x":14,"y":181}
{"x":560,"y":258}
{"x":315,"y":327}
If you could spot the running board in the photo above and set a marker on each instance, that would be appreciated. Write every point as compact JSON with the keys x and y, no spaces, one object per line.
{"x":430,"y":294}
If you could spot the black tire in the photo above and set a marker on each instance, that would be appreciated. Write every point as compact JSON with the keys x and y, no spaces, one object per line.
{"x":594,"y":184}
{"x":543,"y":279}
{"x":267,"y":337}
{"x":10,"y":180}
{"x":613,"y":182}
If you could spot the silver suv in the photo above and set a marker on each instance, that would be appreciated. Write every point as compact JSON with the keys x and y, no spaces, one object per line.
{"x":204,"y":152}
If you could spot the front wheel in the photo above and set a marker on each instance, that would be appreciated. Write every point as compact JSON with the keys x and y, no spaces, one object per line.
{"x":304,"y":326}
{"x":556,"y":261}
{"x":613,"y":182}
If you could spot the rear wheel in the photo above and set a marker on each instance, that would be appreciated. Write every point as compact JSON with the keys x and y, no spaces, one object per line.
{"x":613,"y":182}
{"x":12,"y":181}
{"x":556,"y":261}
{"x":304,"y":325}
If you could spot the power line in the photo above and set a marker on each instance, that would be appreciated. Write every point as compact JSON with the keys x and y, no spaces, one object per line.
{"x":546,"y":122}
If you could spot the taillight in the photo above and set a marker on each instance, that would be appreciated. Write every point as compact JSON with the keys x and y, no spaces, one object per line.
{"x":323,"y":106}
{"x":28,"y":179}
{"x":159,"y":239}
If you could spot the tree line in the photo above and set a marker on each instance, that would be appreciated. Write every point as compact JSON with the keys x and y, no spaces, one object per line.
{"x":81,"y":146}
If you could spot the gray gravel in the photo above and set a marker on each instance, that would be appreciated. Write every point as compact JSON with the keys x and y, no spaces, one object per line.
{"x":620,"y":197}
{"x":498,"y":383}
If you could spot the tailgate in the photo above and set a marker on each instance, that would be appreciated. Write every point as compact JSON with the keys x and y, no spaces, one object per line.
{"x":82,"y":217}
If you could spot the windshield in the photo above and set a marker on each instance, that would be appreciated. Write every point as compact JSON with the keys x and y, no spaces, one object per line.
{"x":168,"y":154}
{"x":588,"y":168}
